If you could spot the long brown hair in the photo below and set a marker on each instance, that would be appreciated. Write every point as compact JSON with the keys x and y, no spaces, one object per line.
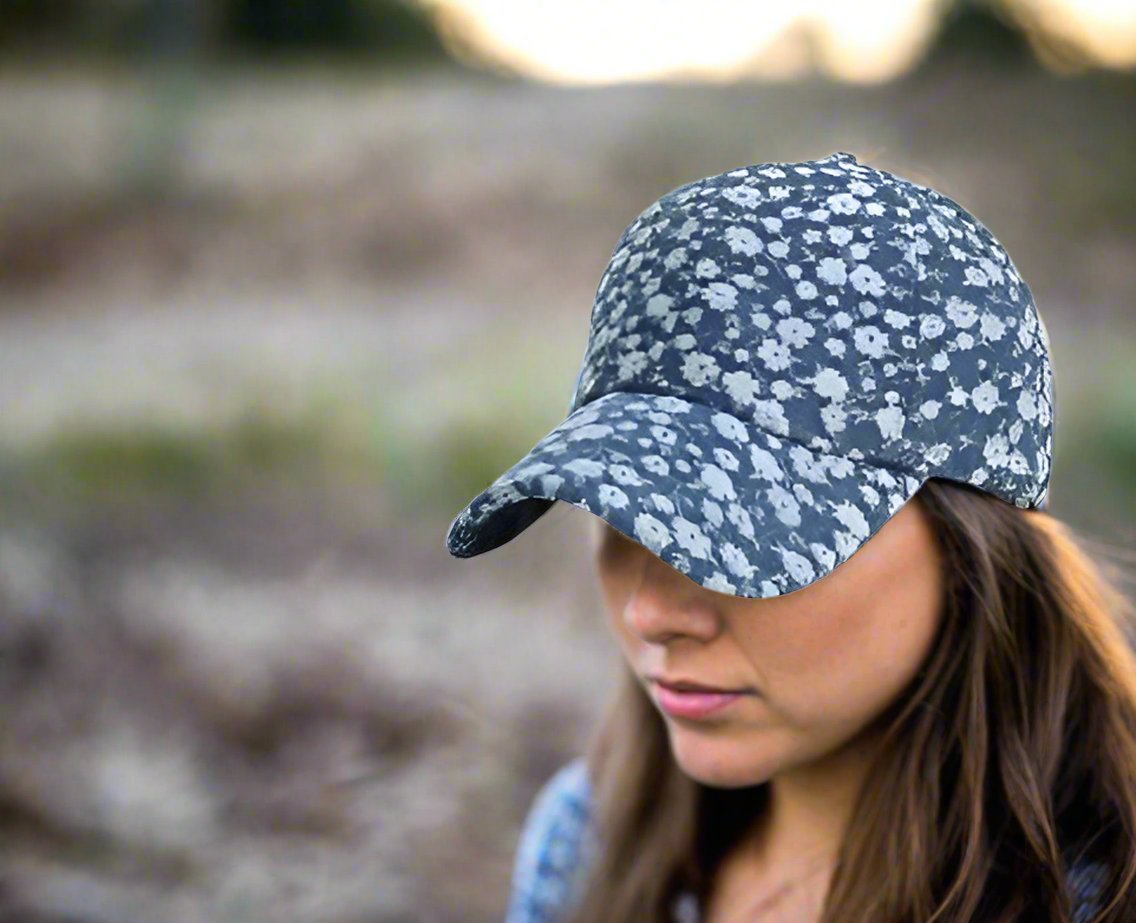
{"x":1010,"y":757}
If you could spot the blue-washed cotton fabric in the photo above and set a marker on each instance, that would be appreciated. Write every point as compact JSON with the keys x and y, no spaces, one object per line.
{"x":558,"y":841}
{"x":778,"y":357}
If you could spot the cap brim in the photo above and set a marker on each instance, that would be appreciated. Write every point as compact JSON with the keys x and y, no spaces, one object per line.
{"x":736,"y":508}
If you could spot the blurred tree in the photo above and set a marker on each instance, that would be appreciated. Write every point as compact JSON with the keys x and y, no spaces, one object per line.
{"x":391,"y":26}
{"x":978,"y":31}
{"x":394,"y":27}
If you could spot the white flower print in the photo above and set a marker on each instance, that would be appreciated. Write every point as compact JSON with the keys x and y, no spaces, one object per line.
{"x":631,"y":364}
{"x":830,"y":383}
{"x":890,"y":420}
{"x":834,"y":346}
{"x":870,"y":340}
{"x":832,"y":270}
{"x":706,"y":268}
{"x":745,"y":196}
{"x":785,"y":505}
{"x":718,"y":582}
{"x":742,"y":387}
{"x":730,"y":427}
{"x":938,"y":453}
{"x":739,"y":516}
{"x":799,"y":568}
{"x":852,"y":518}
{"x":896,"y":319}
{"x":962,"y":313}
{"x":625,"y":475}
{"x":584,"y":467}
{"x":651,"y":533}
{"x":735,"y":560}
{"x":992,"y":327}
{"x":996,"y":451}
{"x":782,"y":389}
{"x":699,"y":368}
{"x":590,"y":431}
{"x":610,"y":495}
{"x":795,"y":332}
{"x":834,"y":418}
{"x":806,"y":464}
{"x":672,"y":404}
{"x":843,"y":203}
{"x":743,"y":241}
{"x":840,"y":235}
{"x":721,"y":296}
{"x":975,"y":276}
{"x":866,"y":280}
{"x":718,"y":483}
{"x":985,"y":397}
{"x":656,"y":464}
{"x":664,"y":435}
{"x":931,"y":326}
{"x":725,"y":459}
{"x":663,"y":504}
{"x":764,"y":464}
{"x":770,"y":415}
{"x":690,"y":537}
{"x":712,"y":512}
{"x":774,"y":354}
{"x":1027,"y":404}
{"x":806,"y":290}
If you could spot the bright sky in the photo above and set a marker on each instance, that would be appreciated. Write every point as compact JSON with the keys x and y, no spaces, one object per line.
{"x":605,"y":41}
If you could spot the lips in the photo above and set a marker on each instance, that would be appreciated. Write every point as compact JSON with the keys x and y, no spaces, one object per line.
{"x":684,"y":685}
{"x":692,"y":704}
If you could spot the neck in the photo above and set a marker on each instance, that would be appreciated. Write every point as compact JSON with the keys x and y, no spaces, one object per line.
{"x":809,"y":808}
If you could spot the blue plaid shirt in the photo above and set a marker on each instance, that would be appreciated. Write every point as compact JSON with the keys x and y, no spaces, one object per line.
{"x":558,"y":840}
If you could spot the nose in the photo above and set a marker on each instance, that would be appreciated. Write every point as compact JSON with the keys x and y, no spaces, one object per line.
{"x":666,"y":604}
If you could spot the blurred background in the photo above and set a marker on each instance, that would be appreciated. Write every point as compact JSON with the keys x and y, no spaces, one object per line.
{"x":285,"y":283}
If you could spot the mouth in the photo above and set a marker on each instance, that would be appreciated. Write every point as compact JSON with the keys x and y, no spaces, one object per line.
{"x":690,"y":686}
{"x":693,"y":703}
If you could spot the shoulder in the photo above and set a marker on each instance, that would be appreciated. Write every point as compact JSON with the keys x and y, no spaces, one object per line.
{"x":555,"y":843}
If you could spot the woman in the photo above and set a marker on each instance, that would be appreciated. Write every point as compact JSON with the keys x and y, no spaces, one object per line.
{"x":814,"y":424}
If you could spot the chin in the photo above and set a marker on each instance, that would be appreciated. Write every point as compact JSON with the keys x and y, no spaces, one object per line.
{"x":721,"y":764}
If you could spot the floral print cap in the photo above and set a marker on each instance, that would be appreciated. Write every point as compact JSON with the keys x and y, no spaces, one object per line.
{"x":779,"y":356}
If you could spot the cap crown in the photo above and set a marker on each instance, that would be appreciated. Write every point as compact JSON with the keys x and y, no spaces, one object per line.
{"x":837,"y":306}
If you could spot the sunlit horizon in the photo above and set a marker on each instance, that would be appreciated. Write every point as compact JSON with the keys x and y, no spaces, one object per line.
{"x":595,"y":42}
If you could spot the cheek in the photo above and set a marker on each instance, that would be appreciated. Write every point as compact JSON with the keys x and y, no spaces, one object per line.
{"x":837,"y":662}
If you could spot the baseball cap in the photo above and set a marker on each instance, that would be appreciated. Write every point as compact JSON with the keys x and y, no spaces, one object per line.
{"x":779,"y":356}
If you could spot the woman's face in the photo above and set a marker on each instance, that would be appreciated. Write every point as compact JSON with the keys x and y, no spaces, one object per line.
{"x":820,"y":662}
